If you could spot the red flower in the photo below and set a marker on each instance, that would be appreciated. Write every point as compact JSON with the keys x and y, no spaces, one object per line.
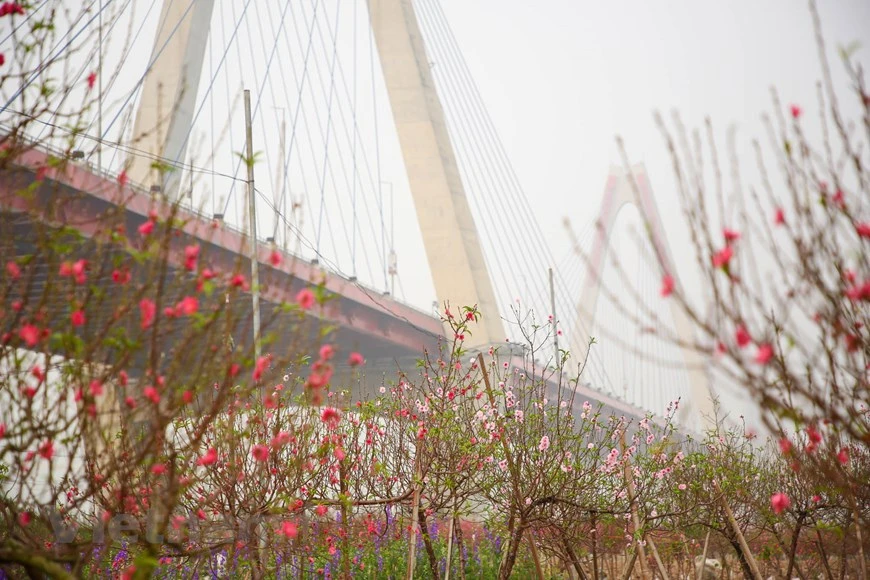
{"x":863,"y":229}
{"x":11,"y":8}
{"x":121,"y":276}
{"x":859,"y":291}
{"x":282,"y":438}
{"x":339,"y":453}
{"x":723,"y":257}
{"x":785,"y":446}
{"x":764,"y":354}
{"x":78,"y":317}
{"x":843,"y":456}
{"x":795,"y":111}
{"x":24,"y":519}
{"x":46,"y":450}
{"x":188,"y":306}
{"x":730,"y":235}
{"x":2,"y":59}
{"x":191,"y":253}
{"x":260,"y":452}
{"x":275,"y":258}
{"x":815,"y":438}
{"x":158,"y":469}
{"x":187,"y":397}
{"x":317,"y":380}
{"x":779,"y":217}
{"x":92,"y":79}
{"x":96,"y":388}
{"x":152,"y":394}
{"x":78,"y":270}
{"x":209,"y":458}
{"x":667,"y":285}
{"x":305,"y":298}
{"x":741,"y":335}
{"x":238,"y":281}
{"x":321,"y":510}
{"x":779,"y":502}
{"x":355,"y":359}
{"x":260,"y":366}
{"x":147,"y":310}
{"x":29,"y":334}
{"x":288,"y":530}
{"x":146,"y":228}
{"x":13,"y":270}
{"x":326,"y":351}
{"x":123,"y":378}
{"x":2,"y":430}
{"x":331,"y":416}
{"x":122,"y":178}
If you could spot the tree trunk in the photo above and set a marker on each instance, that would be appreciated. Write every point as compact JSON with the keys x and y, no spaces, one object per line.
{"x":415,"y":509}
{"x":460,"y":548}
{"x":745,"y":553}
{"x":824,"y":554}
{"x":574,"y":559}
{"x":629,"y":566}
{"x":510,"y":555}
{"x":535,"y":557}
{"x":744,"y":565}
{"x":794,"y":542}
{"x":427,"y":542}
{"x":594,"y":521}
{"x":862,"y":562}
{"x":345,"y":522}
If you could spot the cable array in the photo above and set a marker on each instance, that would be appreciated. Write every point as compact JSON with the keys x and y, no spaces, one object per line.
{"x":634,"y":365}
{"x":318,"y":120}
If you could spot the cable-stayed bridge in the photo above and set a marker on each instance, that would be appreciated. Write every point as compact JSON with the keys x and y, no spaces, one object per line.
{"x":363,"y":114}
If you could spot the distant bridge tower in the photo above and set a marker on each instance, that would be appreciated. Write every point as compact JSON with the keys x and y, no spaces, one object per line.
{"x":698,"y":411}
{"x":165,"y":113}
{"x":450,"y":237}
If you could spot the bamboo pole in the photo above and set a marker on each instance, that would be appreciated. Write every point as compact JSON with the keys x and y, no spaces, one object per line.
{"x":629,"y":566}
{"x":536,"y":558}
{"x":699,"y":573}
{"x":744,"y":547}
{"x":450,"y":542}
{"x":635,"y":518}
{"x":412,"y":538}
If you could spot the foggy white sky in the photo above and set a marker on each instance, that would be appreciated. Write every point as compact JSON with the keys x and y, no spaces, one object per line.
{"x":562,"y":78}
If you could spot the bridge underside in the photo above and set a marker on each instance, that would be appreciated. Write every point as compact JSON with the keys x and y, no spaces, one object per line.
{"x":385,"y":332}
